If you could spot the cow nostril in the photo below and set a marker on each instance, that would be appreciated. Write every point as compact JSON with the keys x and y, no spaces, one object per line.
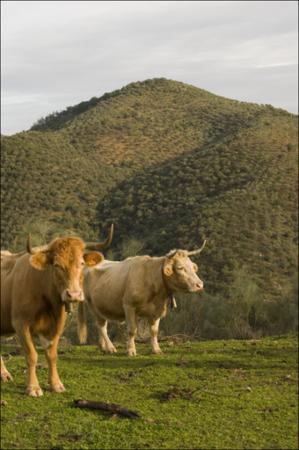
{"x":73,"y":294}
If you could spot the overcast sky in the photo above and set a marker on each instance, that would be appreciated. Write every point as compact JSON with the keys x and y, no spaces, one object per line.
{"x":58,"y":53}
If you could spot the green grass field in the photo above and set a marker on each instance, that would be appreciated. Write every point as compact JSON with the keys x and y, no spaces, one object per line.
{"x":198,"y":395}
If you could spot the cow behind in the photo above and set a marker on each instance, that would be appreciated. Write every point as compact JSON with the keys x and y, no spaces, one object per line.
{"x":141,"y":286}
{"x":36,"y":292}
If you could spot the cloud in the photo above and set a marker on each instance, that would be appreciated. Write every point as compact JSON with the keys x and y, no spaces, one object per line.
{"x":55,"y":54}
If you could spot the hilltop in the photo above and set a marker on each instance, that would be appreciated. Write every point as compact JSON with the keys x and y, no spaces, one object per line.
{"x":170,"y":164}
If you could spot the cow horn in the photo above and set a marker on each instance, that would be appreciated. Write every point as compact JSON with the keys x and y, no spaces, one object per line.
{"x":32,"y":251}
{"x":195,"y":252}
{"x":101,"y":245}
{"x":28,"y":246}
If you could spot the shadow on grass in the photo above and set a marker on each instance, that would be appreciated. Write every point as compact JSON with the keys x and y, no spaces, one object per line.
{"x":250,"y":358}
{"x":228,"y":359}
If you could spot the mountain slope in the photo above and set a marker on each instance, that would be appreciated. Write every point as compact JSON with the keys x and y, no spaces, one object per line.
{"x":237,"y":194}
{"x":170,"y":164}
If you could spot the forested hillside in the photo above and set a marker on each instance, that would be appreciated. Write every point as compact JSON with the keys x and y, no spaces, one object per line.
{"x":170,"y":165}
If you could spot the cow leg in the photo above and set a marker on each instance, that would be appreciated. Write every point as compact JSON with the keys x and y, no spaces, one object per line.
{"x":5,"y":375}
{"x":33,"y":388}
{"x":104,"y":341}
{"x":51,"y":355}
{"x":154,"y":327}
{"x":132,"y":330}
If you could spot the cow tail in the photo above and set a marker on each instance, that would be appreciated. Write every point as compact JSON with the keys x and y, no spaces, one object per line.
{"x":82,"y":323}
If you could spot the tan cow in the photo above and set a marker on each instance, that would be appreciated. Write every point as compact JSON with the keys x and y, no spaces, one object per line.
{"x":36,"y":292}
{"x":141,"y":286}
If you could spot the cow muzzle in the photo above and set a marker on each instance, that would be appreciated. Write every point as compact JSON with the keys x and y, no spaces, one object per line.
{"x":198,"y":287}
{"x":70,"y":296}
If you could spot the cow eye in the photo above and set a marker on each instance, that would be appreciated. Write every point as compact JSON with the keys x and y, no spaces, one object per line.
{"x":180,"y":268}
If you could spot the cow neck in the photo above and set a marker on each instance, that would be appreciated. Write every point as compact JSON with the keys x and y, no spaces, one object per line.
{"x":170,"y":295}
{"x":52,"y":296}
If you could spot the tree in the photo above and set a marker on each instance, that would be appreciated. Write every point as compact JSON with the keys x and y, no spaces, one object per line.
{"x":131,"y":247}
{"x":245,"y":302}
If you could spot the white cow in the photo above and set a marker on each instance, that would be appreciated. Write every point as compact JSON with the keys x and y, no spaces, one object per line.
{"x":141,"y":286}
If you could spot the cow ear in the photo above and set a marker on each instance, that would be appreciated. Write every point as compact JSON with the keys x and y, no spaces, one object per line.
{"x":167,"y":269}
{"x":93,"y":258}
{"x":39,"y":260}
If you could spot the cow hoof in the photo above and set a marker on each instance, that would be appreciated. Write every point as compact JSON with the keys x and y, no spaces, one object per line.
{"x":111,"y":350}
{"x":34,"y":391}
{"x":132,"y":353}
{"x":5,"y":376}
{"x":157,"y":351}
{"x":59,"y":388}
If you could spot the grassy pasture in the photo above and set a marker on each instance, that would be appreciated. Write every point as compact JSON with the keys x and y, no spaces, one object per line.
{"x":198,"y":395}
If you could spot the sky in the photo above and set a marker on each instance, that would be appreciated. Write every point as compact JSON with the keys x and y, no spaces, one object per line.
{"x":55,"y":54}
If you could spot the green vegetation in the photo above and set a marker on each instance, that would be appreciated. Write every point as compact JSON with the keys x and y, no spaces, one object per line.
{"x":170,"y":165}
{"x":219,"y":394}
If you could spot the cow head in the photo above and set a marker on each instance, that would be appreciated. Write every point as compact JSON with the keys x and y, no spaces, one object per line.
{"x":180,"y":272}
{"x":66,"y":257}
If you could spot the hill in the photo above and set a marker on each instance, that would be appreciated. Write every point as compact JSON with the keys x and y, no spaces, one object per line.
{"x":170,"y":164}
